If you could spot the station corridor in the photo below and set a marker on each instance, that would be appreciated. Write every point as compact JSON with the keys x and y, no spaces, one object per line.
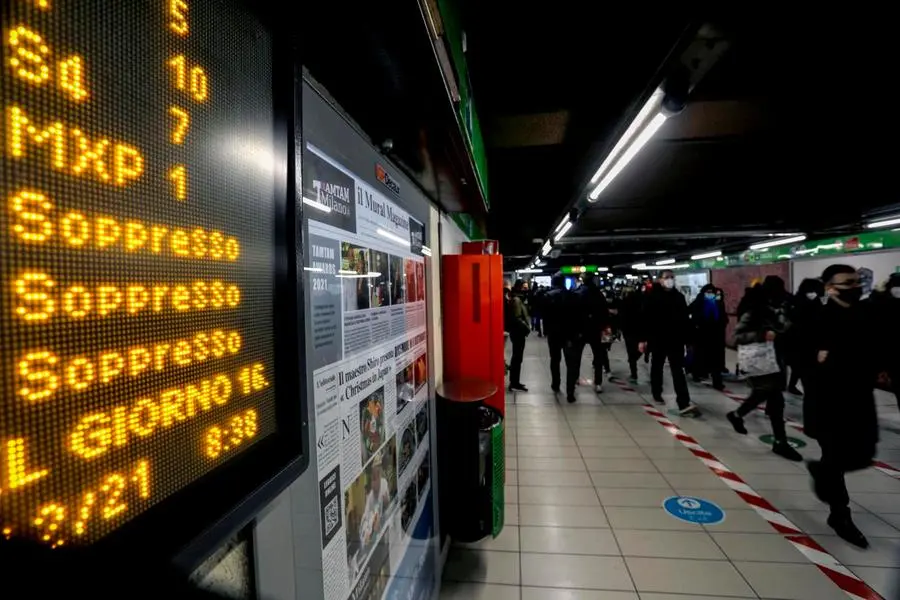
{"x":586,"y":483}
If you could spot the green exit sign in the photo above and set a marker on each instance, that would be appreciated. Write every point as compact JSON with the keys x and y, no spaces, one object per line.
{"x":577,"y":270}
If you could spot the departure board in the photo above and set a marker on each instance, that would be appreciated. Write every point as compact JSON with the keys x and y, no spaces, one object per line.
{"x":137,"y":251}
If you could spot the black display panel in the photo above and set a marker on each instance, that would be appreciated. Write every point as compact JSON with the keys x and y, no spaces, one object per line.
{"x":142,"y":198}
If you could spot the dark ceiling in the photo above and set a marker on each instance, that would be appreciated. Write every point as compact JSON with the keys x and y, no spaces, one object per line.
{"x":763,"y":145}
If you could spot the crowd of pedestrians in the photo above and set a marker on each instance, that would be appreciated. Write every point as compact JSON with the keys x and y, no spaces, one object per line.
{"x":825,"y":339}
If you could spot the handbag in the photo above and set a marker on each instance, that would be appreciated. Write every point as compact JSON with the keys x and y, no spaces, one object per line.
{"x":758,"y":359}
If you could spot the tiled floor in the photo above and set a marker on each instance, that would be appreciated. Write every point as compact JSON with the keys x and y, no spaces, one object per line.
{"x":585,"y":486}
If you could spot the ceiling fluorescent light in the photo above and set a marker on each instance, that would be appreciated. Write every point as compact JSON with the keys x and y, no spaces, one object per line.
{"x":347,"y":272}
{"x":639,"y":266}
{"x":545,"y":250}
{"x":639,"y":142}
{"x":566,"y":227}
{"x":712,"y":254}
{"x":314,"y":269}
{"x":651,"y":106}
{"x":883,"y":223}
{"x":529,"y":271}
{"x":561,"y":224}
{"x":668,"y":261}
{"x":679,"y":266}
{"x":778,"y":242}
{"x":602,"y":269}
{"x":392,"y":237}
{"x":318,"y":205}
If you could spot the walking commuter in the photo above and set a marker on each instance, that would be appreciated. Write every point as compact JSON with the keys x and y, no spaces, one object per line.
{"x":886,"y":305}
{"x":841,"y":414}
{"x":766,"y":320}
{"x":519,"y":327}
{"x":708,"y":323}
{"x":665,"y":327}
{"x":592,"y":315}
{"x":558,"y":325}
{"x":801,"y":355}
{"x":629,"y":323}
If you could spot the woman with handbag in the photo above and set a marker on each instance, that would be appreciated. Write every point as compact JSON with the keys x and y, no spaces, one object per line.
{"x":759,"y":335}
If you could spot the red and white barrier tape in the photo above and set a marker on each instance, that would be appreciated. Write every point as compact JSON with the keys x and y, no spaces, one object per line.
{"x":852,"y":585}
{"x":878,"y":465}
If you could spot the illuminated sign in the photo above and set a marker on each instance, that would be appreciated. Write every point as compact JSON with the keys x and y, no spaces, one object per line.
{"x":137,"y":255}
{"x":577,"y":270}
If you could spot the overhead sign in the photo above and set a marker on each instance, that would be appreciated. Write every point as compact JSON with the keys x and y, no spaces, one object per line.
{"x":384,"y":177}
{"x":578,"y":269}
{"x":137,"y":307}
{"x":694,"y":510}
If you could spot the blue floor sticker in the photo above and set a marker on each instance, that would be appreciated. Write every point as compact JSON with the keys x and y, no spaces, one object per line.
{"x":694,"y":510}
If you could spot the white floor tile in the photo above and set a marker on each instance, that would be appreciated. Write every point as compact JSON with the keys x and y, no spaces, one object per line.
{"x":789,"y":582}
{"x":668,"y":544}
{"x":558,"y":496}
{"x":567,"y":571}
{"x":758,"y":547}
{"x":562,"y":516}
{"x":631,"y":517}
{"x":561,"y":594}
{"x":569,"y":540}
{"x":478,"y":591}
{"x":687,"y":576}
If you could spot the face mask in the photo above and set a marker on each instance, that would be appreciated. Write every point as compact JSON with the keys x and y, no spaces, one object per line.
{"x":895,"y":292}
{"x":850,"y":296}
{"x":668,"y":283}
{"x":811,"y":295}
{"x":710,"y":296}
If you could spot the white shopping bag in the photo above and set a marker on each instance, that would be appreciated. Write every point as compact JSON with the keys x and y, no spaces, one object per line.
{"x":758,"y":359}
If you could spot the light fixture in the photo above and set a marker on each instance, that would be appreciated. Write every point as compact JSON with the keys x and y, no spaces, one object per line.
{"x":317,"y":205}
{"x":314,"y":269}
{"x":651,"y":106}
{"x":883,"y":223}
{"x":566,"y":227}
{"x":392,"y":237}
{"x":712,"y":254}
{"x":782,"y":241}
{"x":541,"y":263}
{"x":426,"y":250}
{"x":679,"y":266}
{"x":561,"y":223}
{"x":639,"y":142}
{"x":529,"y":270}
{"x":545,"y":250}
{"x":347,"y":272}
{"x":667,"y":261}
{"x":602,"y":269}
{"x":639,"y":266}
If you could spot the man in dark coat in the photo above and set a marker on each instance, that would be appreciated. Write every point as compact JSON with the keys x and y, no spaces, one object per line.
{"x":629,"y":323}
{"x":840,"y":412}
{"x":665,"y":327}
{"x":557,"y":310}
{"x":886,"y":305}
{"x":592,"y":312}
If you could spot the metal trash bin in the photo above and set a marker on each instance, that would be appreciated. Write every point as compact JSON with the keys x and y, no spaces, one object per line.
{"x":471,"y":461}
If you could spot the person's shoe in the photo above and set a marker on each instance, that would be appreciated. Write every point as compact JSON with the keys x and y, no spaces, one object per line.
{"x":517,"y":387}
{"x":555,"y":389}
{"x":847,"y":530}
{"x":737,"y":422}
{"x":785,"y":450}
{"x":659,"y":400}
{"x":794,"y":390}
{"x":690,"y":410}
{"x":570,"y":398}
{"x":598,"y":388}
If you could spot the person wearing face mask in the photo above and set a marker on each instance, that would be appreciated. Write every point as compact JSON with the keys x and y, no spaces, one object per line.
{"x":841,"y":416}
{"x":629,"y":322}
{"x":708,"y":322}
{"x":801,"y":354}
{"x":665,"y":328}
{"x":766,"y":320}
{"x":886,"y":305}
